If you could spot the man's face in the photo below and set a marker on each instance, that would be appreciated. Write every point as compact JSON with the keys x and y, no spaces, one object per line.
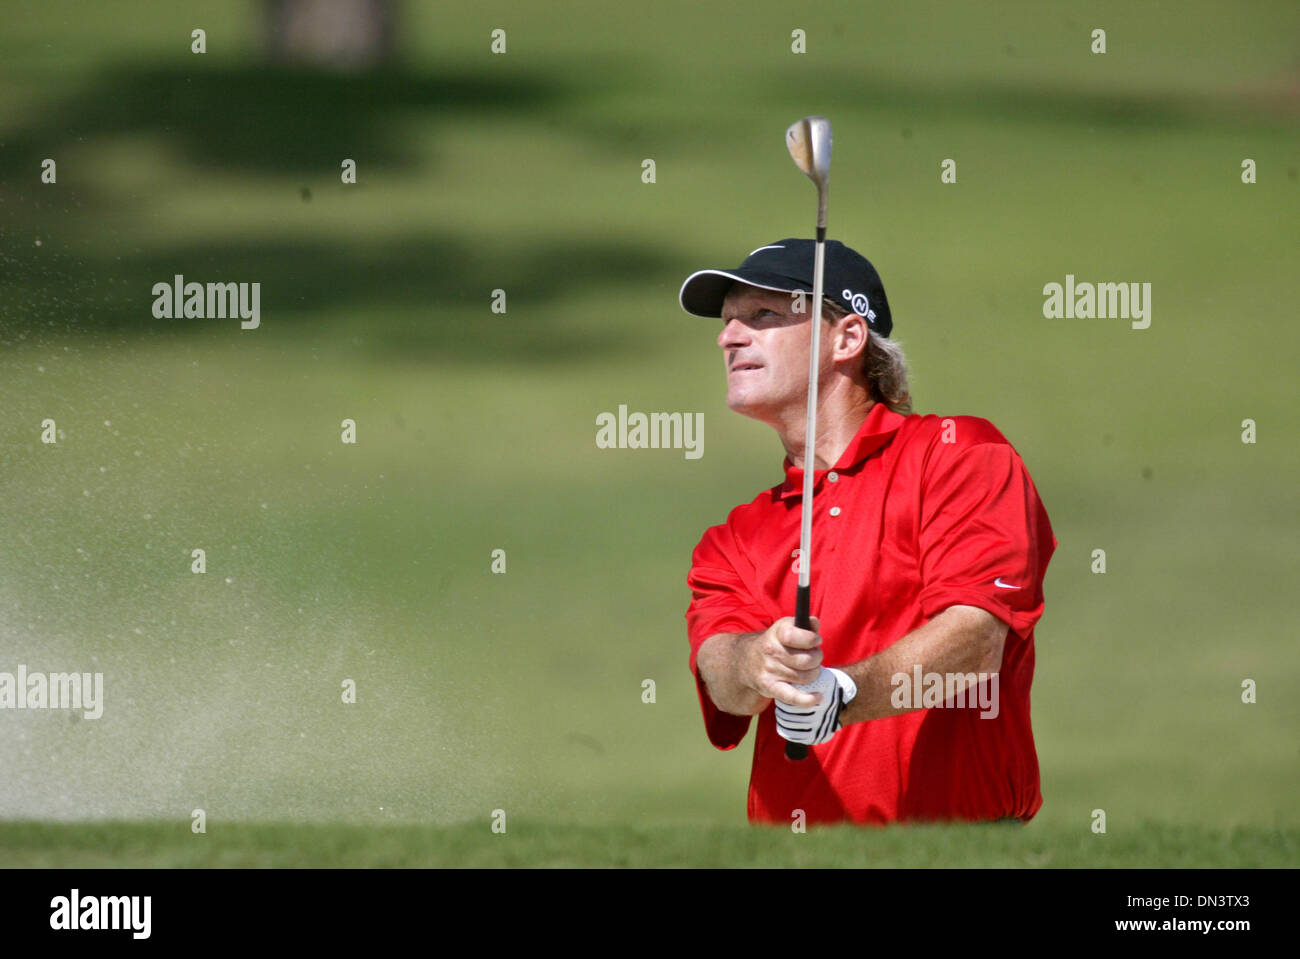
{"x":765,"y":345}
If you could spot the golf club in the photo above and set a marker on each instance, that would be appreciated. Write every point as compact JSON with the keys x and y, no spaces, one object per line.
{"x":809,"y":143}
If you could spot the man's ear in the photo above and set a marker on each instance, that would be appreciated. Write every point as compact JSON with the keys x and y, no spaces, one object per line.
{"x":851,"y":335}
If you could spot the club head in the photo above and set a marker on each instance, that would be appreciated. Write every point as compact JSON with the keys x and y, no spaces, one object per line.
{"x":809,"y":143}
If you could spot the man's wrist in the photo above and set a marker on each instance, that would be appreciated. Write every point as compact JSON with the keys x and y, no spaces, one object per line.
{"x":855,"y":709}
{"x":848,"y":686}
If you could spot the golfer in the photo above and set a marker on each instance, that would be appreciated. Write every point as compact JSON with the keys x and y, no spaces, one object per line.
{"x":929,"y":550}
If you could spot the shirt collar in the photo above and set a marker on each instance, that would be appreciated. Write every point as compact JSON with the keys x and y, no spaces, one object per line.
{"x":876,"y":431}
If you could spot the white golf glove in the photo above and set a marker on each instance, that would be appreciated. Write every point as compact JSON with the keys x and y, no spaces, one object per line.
{"x":813,"y":725}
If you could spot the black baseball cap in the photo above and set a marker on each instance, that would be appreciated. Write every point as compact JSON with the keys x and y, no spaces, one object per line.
{"x":787,"y":267}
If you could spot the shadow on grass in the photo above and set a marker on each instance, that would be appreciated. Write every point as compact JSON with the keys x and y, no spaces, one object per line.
{"x":264,"y":119}
{"x":442,"y":284}
{"x":275,"y":123}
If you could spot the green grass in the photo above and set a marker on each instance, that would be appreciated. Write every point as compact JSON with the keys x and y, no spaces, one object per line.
{"x":476,"y":430}
{"x":998,"y":846}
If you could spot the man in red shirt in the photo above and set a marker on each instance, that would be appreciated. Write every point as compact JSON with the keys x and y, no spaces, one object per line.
{"x":929,"y":549}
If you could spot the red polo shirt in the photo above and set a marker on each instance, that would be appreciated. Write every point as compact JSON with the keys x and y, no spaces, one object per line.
{"x":919,"y":514}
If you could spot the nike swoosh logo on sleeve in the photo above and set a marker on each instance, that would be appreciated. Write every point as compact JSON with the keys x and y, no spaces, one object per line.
{"x":998,"y":582}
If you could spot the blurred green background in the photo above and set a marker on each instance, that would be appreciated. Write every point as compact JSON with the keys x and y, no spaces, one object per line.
{"x":476,"y":430}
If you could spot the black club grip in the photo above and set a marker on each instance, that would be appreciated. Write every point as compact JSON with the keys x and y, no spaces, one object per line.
{"x":802,"y":619}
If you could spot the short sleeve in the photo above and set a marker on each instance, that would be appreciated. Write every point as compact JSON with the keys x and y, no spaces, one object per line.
{"x":720,"y":603}
{"x":984,"y":536}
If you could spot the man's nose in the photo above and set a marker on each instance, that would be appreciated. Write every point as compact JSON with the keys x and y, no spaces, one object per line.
{"x":733,"y":334}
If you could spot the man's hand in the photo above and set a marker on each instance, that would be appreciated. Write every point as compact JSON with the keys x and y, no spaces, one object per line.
{"x":784,"y":656}
{"x":744,"y":672}
{"x":817,"y":724}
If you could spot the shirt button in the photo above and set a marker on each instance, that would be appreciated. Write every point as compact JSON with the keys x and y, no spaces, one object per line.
{"x":833,"y":476}
{"x":835,"y":511}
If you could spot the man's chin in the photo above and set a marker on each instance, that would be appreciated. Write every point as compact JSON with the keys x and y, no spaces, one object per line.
{"x":747,"y":406}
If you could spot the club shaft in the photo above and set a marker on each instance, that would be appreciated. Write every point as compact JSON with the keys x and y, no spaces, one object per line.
{"x":810,"y":436}
{"x":803,"y":598}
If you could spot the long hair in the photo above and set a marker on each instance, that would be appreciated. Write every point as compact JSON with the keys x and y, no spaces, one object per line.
{"x":883,"y":366}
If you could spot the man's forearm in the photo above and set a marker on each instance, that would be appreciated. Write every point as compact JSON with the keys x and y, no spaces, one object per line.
{"x":718,"y":664}
{"x":960,"y":640}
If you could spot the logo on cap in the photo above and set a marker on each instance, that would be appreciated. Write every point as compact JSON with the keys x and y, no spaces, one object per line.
{"x":861,"y":305}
